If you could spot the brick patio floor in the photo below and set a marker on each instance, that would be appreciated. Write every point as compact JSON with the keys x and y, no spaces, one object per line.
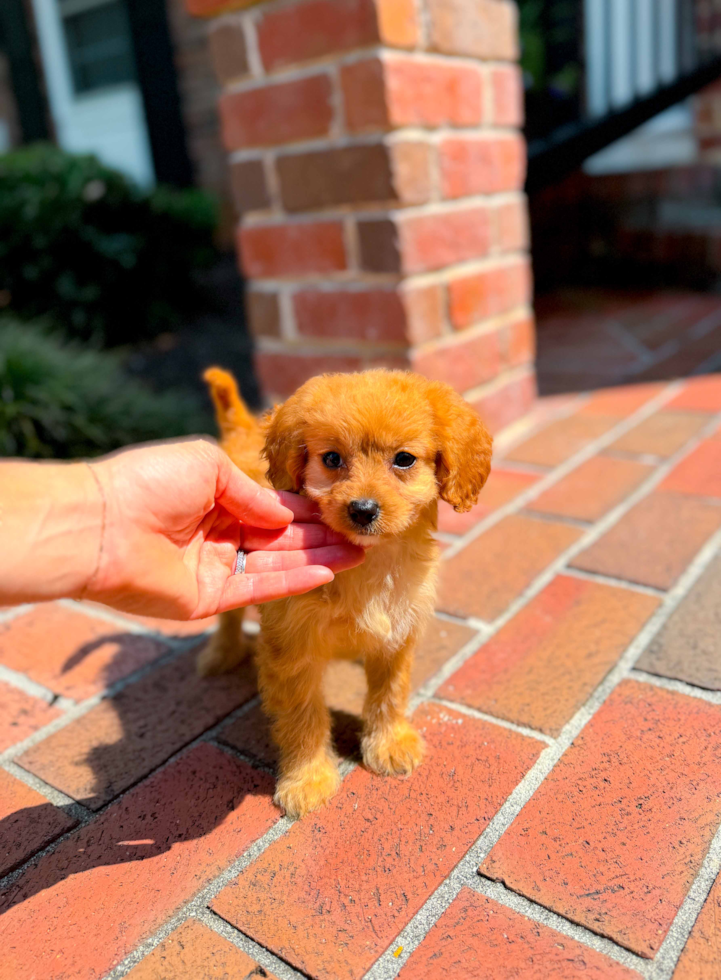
{"x":565,"y":823}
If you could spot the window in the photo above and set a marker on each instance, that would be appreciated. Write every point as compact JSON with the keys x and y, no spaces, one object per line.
{"x":97,"y":34}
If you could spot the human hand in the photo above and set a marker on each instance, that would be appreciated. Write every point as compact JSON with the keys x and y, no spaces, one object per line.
{"x":176,"y":515}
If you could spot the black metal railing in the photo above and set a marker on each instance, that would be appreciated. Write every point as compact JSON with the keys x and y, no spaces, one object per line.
{"x":595,"y":70}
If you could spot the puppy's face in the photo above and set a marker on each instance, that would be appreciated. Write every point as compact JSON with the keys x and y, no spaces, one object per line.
{"x":374,"y":450}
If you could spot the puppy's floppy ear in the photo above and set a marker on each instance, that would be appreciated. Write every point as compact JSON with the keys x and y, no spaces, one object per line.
{"x":285,"y":447}
{"x":464,"y":447}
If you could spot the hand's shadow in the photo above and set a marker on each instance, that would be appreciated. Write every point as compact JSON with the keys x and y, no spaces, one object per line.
{"x":142,"y":825}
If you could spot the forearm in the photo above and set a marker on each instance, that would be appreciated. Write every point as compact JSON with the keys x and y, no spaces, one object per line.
{"x":51,"y":517}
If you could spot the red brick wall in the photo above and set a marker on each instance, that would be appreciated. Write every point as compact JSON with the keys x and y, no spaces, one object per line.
{"x":376,"y":161}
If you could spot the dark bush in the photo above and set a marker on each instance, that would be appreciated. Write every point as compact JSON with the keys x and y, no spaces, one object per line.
{"x":59,"y":400}
{"x":101,"y":259}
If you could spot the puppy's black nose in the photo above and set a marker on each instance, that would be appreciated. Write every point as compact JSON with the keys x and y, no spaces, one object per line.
{"x":363,"y":512}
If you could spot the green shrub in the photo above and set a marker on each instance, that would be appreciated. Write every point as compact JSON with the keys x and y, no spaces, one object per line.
{"x":58,"y":400}
{"x":84,"y":247}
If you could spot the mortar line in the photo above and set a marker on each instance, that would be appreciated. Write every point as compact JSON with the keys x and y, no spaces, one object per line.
{"x":538,"y":913}
{"x":672,"y":684}
{"x":6,"y":615}
{"x":262,"y":955}
{"x":50,"y":792}
{"x":21,"y":682}
{"x":387,"y":966}
{"x":618,"y":583}
{"x":559,"y":472}
{"x":665,"y":961}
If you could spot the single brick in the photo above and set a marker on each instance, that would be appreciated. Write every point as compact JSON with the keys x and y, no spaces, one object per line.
{"x":433,"y":241}
{"x":507,"y":96}
{"x":615,"y":835}
{"x":661,"y":434}
{"x":701,"y":957}
{"x":298,"y":249}
{"x":478,"y":939}
{"x":481,"y":165}
{"x":277,"y":113}
{"x":313,"y":28}
{"x":21,"y":715}
{"x":622,"y":401}
{"x":506,"y":402}
{"x":543,"y":665}
{"x":379,"y":245}
{"x":485,"y":29}
{"x":280,"y":374}
{"x":124,"y":738}
{"x":666,"y":530}
{"x":366,"y":314}
{"x":502,"y":487}
{"x":84,"y":907}
{"x":490,"y":291}
{"x":462,"y":362}
{"x":699,"y":473}
{"x":561,"y":439}
{"x":495,"y":568}
{"x":699,"y":395}
{"x":195,"y":952}
{"x":28,"y":822}
{"x":402,"y":90}
{"x":72,"y":653}
{"x":332,"y":893}
{"x":592,"y":489}
{"x":248,"y":184}
{"x":688,"y":648}
{"x":368,"y":173}
{"x":263,"y":312}
{"x":511,"y":229}
{"x":226,"y":41}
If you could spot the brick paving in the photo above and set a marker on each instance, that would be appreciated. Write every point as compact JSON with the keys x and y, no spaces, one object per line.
{"x":565,"y":824}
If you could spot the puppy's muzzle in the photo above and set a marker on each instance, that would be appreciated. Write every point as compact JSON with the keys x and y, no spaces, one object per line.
{"x":363,"y":512}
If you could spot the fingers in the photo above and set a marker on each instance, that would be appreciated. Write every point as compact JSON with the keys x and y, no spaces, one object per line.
{"x":247,"y":501}
{"x":246,"y":590}
{"x":336,"y":557}
{"x":291,"y":538}
{"x":303,"y":509}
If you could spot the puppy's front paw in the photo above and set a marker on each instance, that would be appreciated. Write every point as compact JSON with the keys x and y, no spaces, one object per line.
{"x":307,"y":788}
{"x":395,"y":751}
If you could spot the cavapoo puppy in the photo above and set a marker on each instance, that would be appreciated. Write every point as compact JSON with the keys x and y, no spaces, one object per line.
{"x":375,"y":451}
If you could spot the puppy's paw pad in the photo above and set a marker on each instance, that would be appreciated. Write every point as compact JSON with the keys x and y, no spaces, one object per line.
{"x":218,"y":656}
{"x":393,"y":753}
{"x":307,"y":789}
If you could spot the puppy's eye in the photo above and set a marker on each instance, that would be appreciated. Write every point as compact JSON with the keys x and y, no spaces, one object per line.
{"x":332,"y":461}
{"x":404,"y":461}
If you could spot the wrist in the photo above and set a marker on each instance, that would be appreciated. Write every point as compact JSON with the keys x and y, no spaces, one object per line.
{"x":52,"y":517}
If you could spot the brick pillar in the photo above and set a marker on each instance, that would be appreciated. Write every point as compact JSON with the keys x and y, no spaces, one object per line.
{"x":378,"y":166}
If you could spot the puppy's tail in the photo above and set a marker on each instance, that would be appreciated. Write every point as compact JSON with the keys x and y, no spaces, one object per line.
{"x":230,"y":409}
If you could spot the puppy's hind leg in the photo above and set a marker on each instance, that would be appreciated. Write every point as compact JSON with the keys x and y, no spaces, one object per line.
{"x":390,"y":745}
{"x":226,"y":648}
